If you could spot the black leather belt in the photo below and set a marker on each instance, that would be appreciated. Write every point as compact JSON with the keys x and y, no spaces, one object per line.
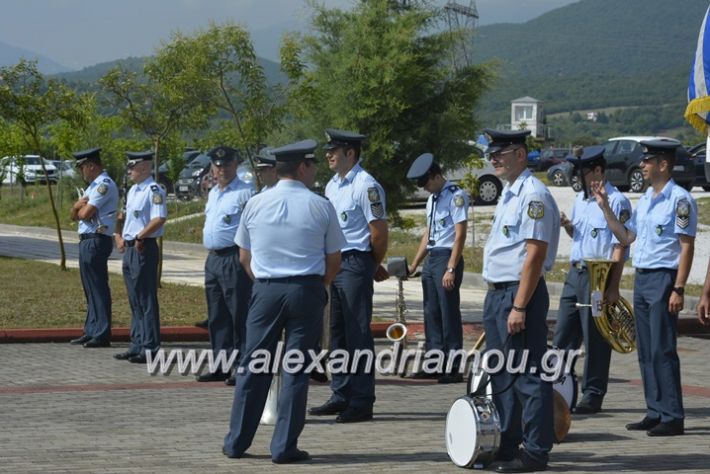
{"x":132,"y":243}
{"x":226,"y":251}
{"x":438,"y":251}
{"x":291,"y":279}
{"x":579,"y":265}
{"x":651,"y":270}
{"x":502,"y":285}
{"x":347,"y":253}
{"x":93,"y":236}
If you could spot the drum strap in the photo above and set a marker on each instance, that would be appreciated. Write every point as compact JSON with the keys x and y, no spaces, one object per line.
{"x":486,"y":378}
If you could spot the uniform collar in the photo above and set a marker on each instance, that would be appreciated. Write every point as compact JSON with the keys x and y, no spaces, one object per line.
{"x":145,"y":183}
{"x":518,"y":184}
{"x":233,"y":184}
{"x":446,"y":186}
{"x":100,"y":177}
{"x":350,"y":176}
{"x":290,"y":183}
{"x":665,"y":192}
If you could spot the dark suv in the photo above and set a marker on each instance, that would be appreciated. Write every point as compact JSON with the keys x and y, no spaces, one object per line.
{"x":551,"y":157}
{"x":623,"y":164}
{"x":189,"y":184}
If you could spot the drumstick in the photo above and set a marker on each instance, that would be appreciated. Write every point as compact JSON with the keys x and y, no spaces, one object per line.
{"x":478,"y":344}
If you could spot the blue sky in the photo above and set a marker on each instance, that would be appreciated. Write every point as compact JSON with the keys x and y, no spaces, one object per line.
{"x":79,"y":33}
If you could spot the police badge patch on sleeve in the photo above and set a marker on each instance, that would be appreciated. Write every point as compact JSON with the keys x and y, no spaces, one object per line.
{"x":624,"y":215}
{"x":682,"y":214}
{"x":536,"y":210}
{"x":459,"y":200}
{"x":157,"y":198}
{"x":373,"y":194}
{"x":378,"y":210}
{"x":102,"y":189}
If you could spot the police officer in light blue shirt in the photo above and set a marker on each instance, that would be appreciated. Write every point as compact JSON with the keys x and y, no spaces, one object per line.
{"x":96,"y":213}
{"x":442,"y":244}
{"x":266,"y":169}
{"x":663,"y":227}
{"x":227,"y":285}
{"x":521,"y":247}
{"x":591,"y":239}
{"x":290,"y":242}
{"x":145,"y":214}
{"x":359,"y":202}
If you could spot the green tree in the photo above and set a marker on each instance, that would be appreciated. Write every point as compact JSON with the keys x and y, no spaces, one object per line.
{"x":32,"y":102}
{"x":385,"y":71}
{"x":225,"y":72}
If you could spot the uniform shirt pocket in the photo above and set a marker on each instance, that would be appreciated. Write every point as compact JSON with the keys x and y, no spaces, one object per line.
{"x":661,"y":227}
{"x":443,"y":218}
{"x":510,"y":226}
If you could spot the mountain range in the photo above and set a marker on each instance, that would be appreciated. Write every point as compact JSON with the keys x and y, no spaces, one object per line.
{"x":589,"y":54}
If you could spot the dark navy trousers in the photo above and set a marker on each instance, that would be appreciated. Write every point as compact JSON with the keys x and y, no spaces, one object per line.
{"x":576,"y":325}
{"x":227,"y":290}
{"x":443,"y":329}
{"x":140,"y":273}
{"x":295,"y":305}
{"x":350,"y":316}
{"x":656,"y":335}
{"x":525,"y":404}
{"x":93,"y":268}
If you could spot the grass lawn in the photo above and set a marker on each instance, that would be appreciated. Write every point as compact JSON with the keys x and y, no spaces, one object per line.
{"x":34,"y":209}
{"x":40,"y":295}
{"x":704,"y":211}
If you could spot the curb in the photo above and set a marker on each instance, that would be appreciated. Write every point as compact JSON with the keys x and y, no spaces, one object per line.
{"x":686,"y":327}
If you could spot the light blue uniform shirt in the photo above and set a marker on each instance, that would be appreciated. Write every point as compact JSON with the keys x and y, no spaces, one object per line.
{"x":145,"y":202}
{"x":358,"y":200}
{"x":450,"y":207}
{"x":103,"y":195}
{"x":658,"y":222}
{"x":289,"y":230}
{"x":525,"y":211}
{"x":592,"y":237}
{"x":222,"y":213}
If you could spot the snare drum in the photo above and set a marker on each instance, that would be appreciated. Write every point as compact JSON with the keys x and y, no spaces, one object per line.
{"x":472,"y":432}
{"x":566,"y":385}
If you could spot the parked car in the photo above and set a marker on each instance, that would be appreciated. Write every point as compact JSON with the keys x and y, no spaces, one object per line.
{"x":697,"y":153}
{"x":32,"y":170}
{"x":562,"y":175}
{"x":623,"y":157}
{"x":551,"y":157}
{"x":534,"y":160}
{"x":65,"y":168}
{"x":164,"y":170}
{"x":489,"y":185}
{"x":190,"y":181}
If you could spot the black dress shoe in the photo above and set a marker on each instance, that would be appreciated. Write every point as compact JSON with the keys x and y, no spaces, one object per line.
{"x":80,"y":340}
{"x":354,"y":415}
{"x":96,"y":343}
{"x":667,"y":428}
{"x":299,"y":455}
{"x":202,"y":324}
{"x":424,"y":375}
{"x":140,"y":358}
{"x":451,"y":378}
{"x":231,"y":381}
{"x":587,"y":407}
{"x":331,"y":407}
{"x":230,"y":456}
{"x":643,"y":425}
{"x":212,"y":377}
{"x":316,"y":376}
{"x":518,"y":465}
{"x":124,"y":355}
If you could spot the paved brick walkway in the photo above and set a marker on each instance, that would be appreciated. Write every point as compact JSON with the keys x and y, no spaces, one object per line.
{"x":69,"y":409}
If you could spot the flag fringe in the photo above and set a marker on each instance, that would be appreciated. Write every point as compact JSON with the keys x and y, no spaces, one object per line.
{"x":695,"y":107}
